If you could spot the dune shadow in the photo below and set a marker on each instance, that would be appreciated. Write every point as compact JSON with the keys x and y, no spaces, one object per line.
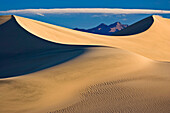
{"x":22,"y":52}
{"x":35,"y":61}
{"x":136,"y":28}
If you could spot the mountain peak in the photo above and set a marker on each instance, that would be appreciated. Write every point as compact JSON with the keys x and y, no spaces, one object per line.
{"x":114,"y":24}
{"x":104,"y":29}
{"x":102,"y":24}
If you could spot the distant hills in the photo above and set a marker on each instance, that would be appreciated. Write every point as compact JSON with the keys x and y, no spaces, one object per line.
{"x":104,"y":29}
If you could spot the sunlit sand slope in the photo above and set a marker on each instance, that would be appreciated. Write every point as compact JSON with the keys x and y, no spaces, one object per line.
{"x":102,"y":79}
{"x":121,"y":74}
{"x":152,"y":43}
{"x":23,"y":53}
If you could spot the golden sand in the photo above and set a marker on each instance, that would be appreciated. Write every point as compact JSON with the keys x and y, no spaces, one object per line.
{"x":47,"y":68}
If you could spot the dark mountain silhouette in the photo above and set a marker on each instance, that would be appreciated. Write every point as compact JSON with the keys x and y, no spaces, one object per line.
{"x":104,"y":29}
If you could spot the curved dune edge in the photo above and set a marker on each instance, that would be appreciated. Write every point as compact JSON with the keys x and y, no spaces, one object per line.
{"x":31,"y":53}
{"x":88,"y":38}
{"x":136,"y":28}
{"x":102,"y":79}
{"x":85,"y":39}
{"x":158,"y":32}
{"x":23,"y":53}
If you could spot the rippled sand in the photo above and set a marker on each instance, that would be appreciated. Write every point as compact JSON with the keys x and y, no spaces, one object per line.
{"x":47,"y":68}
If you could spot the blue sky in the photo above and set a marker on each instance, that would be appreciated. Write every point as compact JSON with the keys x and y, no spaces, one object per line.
{"x":139,"y":4}
{"x":83,"y":20}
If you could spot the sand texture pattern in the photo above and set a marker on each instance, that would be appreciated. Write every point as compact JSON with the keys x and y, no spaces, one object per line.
{"x":50,"y":69}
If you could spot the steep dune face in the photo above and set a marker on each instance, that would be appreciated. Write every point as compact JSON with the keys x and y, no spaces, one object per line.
{"x":84,"y":78}
{"x":22,"y":52}
{"x":152,"y":43}
{"x":136,"y":28}
{"x":56,"y":33}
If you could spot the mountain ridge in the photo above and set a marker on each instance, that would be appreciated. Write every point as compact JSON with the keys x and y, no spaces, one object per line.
{"x":104,"y":29}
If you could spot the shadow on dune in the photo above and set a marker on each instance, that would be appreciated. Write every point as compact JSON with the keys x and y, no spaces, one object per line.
{"x":136,"y":28}
{"x":22,"y":53}
{"x":35,"y":61}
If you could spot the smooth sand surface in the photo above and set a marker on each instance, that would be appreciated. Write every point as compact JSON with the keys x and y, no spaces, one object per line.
{"x":47,"y":68}
{"x":152,"y":43}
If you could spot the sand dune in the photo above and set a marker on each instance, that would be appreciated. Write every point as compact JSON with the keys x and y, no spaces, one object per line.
{"x":156,"y":38}
{"x":47,"y":68}
{"x":29,"y":52}
{"x":137,"y":27}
